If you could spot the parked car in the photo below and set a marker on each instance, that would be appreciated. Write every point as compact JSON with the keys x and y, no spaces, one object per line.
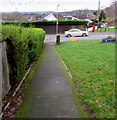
{"x":75,"y":32}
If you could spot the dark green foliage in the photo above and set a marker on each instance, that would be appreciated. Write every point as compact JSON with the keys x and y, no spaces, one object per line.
{"x":23,"y":47}
{"x":102,"y":16}
{"x":36,"y":23}
{"x":95,"y":13}
{"x":95,"y":22}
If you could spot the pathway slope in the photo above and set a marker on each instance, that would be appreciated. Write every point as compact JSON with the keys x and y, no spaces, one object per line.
{"x":53,"y":95}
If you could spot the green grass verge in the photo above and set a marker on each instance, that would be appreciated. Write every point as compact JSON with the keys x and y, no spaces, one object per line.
{"x":107,"y":29}
{"x":92,"y":65}
{"x":28,"y":91}
{"x":77,"y":98}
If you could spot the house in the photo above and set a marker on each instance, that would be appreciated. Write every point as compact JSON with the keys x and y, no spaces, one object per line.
{"x":51,"y":17}
{"x":69,"y":17}
{"x":91,"y":16}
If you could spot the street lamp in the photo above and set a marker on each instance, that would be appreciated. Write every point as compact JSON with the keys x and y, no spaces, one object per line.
{"x":57,"y":35}
{"x":98,"y":13}
{"x":57,"y":20}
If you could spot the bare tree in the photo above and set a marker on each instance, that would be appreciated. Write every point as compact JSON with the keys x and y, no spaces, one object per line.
{"x":110,"y":11}
{"x":13,"y":16}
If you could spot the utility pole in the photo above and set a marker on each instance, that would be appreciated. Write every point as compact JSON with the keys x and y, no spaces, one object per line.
{"x":57,"y":35}
{"x":1,"y":79}
{"x":115,"y":9}
{"x":57,"y":20}
{"x":98,"y":13}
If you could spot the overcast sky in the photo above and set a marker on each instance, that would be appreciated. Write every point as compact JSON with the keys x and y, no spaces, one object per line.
{"x":50,"y":5}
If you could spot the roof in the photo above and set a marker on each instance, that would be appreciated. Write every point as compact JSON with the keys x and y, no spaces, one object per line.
{"x":60,"y":17}
{"x":50,"y":17}
{"x":91,"y":16}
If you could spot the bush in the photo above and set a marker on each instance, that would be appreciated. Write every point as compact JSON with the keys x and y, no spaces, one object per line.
{"x":23,"y":47}
{"x":36,"y":23}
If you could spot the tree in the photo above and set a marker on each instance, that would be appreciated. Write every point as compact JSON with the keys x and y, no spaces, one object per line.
{"x":111,"y":10}
{"x":102,"y":16}
{"x":12,"y":16}
{"x":95,"y":13}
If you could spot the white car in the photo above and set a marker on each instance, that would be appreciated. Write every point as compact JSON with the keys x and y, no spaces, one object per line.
{"x":75,"y":32}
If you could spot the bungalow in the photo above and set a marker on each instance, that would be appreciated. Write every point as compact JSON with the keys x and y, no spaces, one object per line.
{"x":51,"y":17}
{"x":69,"y":17}
{"x":91,"y":16}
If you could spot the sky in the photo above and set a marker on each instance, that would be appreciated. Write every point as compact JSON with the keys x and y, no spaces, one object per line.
{"x":50,"y":5}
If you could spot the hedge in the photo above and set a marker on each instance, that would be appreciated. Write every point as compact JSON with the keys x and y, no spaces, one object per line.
{"x":36,"y":23}
{"x":23,"y":47}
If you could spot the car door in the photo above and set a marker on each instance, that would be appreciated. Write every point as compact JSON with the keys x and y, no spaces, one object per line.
{"x":74,"y":32}
{"x":71,"y":32}
{"x":79,"y":33}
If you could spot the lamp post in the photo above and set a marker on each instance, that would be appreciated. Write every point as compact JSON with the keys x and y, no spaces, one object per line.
{"x":57,"y":20}
{"x":57,"y":35}
{"x":115,"y":9}
{"x":98,"y":13}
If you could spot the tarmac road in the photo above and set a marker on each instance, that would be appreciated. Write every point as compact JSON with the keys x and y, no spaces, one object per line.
{"x":91,"y":36}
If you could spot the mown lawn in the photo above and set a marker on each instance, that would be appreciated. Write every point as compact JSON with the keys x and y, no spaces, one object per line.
{"x":92,"y":65}
{"x":107,"y":29}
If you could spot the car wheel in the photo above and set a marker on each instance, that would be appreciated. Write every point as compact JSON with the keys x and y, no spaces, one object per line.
{"x":84,"y":34}
{"x":69,"y":35}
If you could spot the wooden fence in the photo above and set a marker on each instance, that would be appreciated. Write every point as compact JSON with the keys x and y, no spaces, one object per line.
{"x":0,"y":78}
{"x":4,"y":72}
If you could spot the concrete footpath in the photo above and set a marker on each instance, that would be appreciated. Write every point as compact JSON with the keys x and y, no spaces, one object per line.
{"x":53,"y":95}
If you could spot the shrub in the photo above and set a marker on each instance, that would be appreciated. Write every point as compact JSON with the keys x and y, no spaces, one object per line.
{"x":36,"y":23}
{"x":23,"y":47}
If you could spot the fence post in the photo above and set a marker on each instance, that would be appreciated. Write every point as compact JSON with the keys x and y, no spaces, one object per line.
{"x":4,"y":73}
{"x":0,"y":78}
{"x":5,"y":70}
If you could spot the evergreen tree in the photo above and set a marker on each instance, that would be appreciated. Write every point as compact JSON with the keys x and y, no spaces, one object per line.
{"x":102,"y":16}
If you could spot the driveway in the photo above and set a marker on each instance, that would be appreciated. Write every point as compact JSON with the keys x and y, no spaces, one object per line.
{"x":91,"y":36}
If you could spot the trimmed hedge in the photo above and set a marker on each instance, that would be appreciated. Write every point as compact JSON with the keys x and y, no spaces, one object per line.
{"x":23,"y":47}
{"x":36,"y":23}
